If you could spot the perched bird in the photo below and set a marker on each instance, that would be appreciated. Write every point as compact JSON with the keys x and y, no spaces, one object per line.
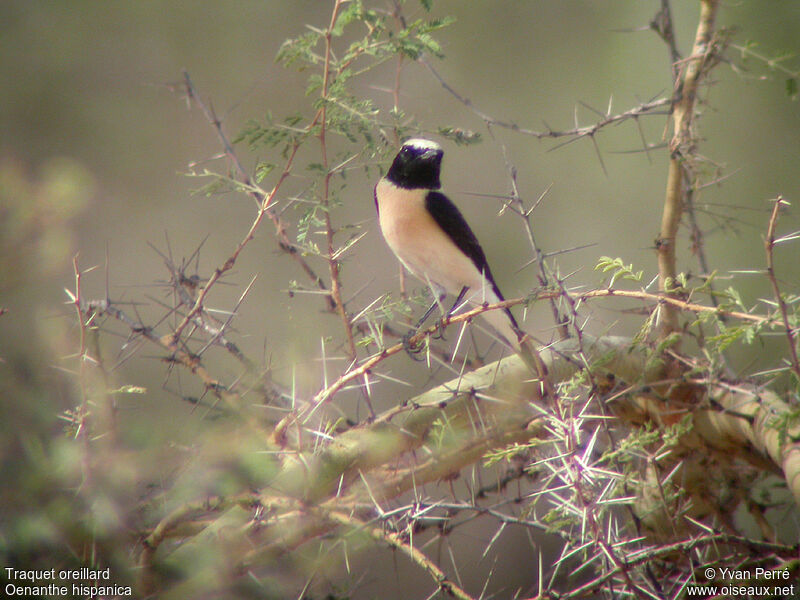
{"x":430,"y":236}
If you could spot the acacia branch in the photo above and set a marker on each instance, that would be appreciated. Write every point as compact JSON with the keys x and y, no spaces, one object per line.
{"x":333,"y":263}
{"x":229,"y":263}
{"x":515,"y":203}
{"x":84,"y":320}
{"x":769,"y":244}
{"x":682,"y":149}
{"x":192,"y":362}
{"x":651,"y":553}
{"x":398,"y":542}
{"x":739,"y":418}
{"x":325,"y":395}
{"x":180,"y":355}
{"x":663,"y":25}
{"x":459,"y":422}
{"x":576,"y":132}
{"x":262,"y":197}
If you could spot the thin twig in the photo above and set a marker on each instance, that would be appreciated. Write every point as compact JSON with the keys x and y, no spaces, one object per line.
{"x":178,"y":355}
{"x":663,"y":25}
{"x":769,"y":245}
{"x":516,"y":204}
{"x":333,"y":263}
{"x":577,"y":132}
{"x":397,"y":541}
{"x":263,"y":199}
{"x":83,"y":355}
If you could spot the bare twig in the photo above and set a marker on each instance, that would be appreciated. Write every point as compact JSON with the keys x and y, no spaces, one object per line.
{"x":769,"y":244}
{"x":263,"y":198}
{"x":663,"y":25}
{"x":178,"y":355}
{"x":398,"y":542}
{"x":83,"y":356}
{"x":333,"y":263}
{"x":185,"y":289}
{"x":577,"y":132}
{"x":516,"y":204}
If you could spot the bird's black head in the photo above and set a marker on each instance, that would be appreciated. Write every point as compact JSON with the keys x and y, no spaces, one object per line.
{"x":417,"y":165}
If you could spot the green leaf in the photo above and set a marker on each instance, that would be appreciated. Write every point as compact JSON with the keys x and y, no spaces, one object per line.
{"x":314,"y":83}
{"x":219,"y":184}
{"x":619,"y":268}
{"x":462,"y":137}
{"x":129,"y":389}
{"x":346,"y":16}
{"x":735,"y":298}
{"x":729,"y":335}
{"x":300,"y":50}
{"x":262,"y":170}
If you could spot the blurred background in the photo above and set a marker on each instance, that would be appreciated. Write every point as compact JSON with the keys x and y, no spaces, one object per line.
{"x":96,"y":142}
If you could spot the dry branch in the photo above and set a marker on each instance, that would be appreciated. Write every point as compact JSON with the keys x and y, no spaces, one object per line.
{"x":682,"y":148}
{"x":459,"y":422}
{"x":769,"y":244}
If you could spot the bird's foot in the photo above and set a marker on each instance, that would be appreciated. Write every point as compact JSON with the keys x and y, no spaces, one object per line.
{"x":440,"y":327}
{"x":411,"y":347}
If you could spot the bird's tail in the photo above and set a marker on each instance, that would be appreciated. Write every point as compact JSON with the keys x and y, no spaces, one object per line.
{"x":530,"y":356}
{"x":504,"y":323}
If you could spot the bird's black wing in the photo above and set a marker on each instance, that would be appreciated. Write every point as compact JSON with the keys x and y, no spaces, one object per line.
{"x":453,"y":223}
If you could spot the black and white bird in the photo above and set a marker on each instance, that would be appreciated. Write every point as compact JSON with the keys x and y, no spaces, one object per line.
{"x":430,"y":236}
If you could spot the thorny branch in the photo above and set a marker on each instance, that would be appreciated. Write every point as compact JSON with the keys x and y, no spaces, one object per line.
{"x":576,"y":299}
{"x":650,"y":553}
{"x":682,"y":152}
{"x":96,"y":309}
{"x":413,"y":553}
{"x":184,"y":288}
{"x":515,"y":203}
{"x":304,"y":492}
{"x":333,"y":263}
{"x":769,"y":244}
{"x":263,"y":198}
{"x":191,"y":361}
{"x":662,"y":24}
{"x":83,"y":356}
{"x":589,"y":131}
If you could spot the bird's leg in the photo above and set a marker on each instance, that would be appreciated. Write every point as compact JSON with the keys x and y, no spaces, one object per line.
{"x":410,"y":348}
{"x":450,"y":312}
{"x":428,"y":312}
{"x":461,"y":295}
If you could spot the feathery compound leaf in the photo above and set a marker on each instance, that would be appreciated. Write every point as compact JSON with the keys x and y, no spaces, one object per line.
{"x":619,"y":268}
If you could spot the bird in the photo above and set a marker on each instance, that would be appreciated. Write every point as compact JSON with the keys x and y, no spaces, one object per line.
{"x":431,"y":238}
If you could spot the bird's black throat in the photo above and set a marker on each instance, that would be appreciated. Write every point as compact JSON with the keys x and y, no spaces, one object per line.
{"x":416,"y":168}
